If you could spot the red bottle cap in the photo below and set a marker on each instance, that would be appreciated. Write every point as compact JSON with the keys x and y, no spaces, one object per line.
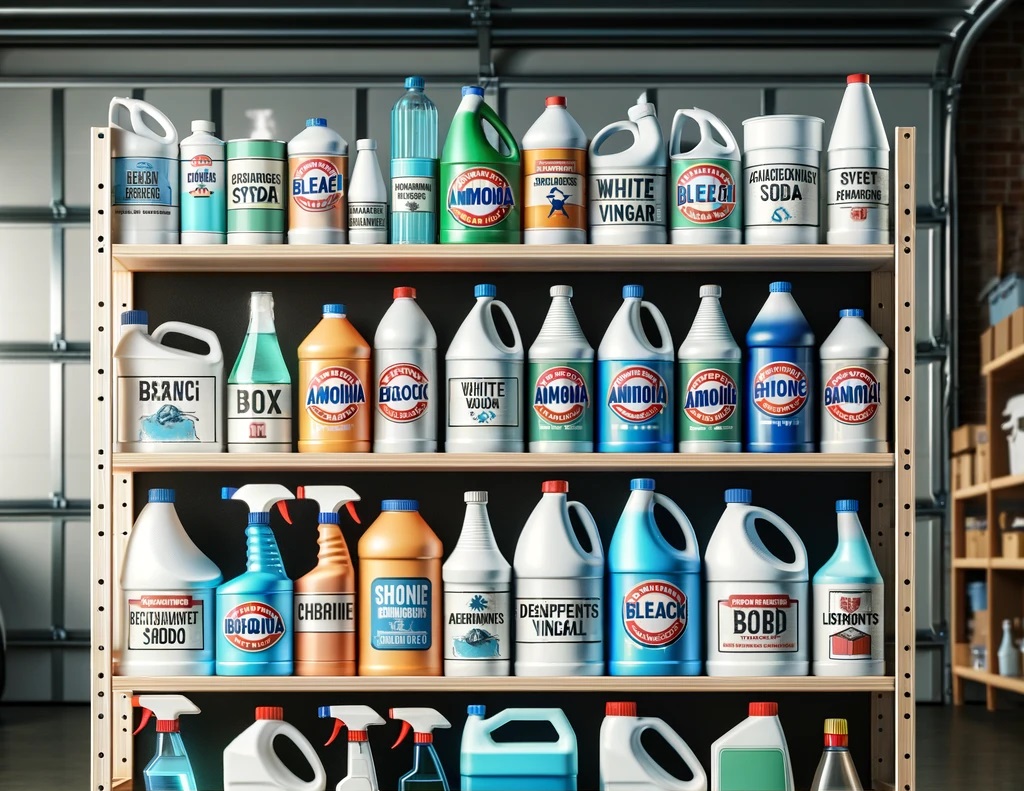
{"x":167,"y":726}
{"x":865,"y":78}
{"x":554,"y":487}
{"x":269,"y":713}
{"x":358,"y":736}
{"x":836,"y":733}
{"x":555,"y":101}
{"x":620,"y":709}
{"x":404,"y":292}
{"x":764,"y":710}
{"x":423,"y":738}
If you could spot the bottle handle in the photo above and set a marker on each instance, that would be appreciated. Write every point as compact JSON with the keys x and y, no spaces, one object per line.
{"x":613,"y":128}
{"x":699,"y":780}
{"x":116,"y":104}
{"x":590,"y":526}
{"x":488,"y":113}
{"x":692,"y":550}
{"x":286,"y":778}
{"x":138,"y":111}
{"x":799,"y":551}
{"x":209,"y":337}
{"x":706,"y":121}
{"x":663,"y":331}
{"x":517,"y":346}
{"x":556,"y":717}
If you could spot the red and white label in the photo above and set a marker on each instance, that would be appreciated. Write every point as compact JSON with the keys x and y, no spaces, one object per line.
{"x":705,"y":193}
{"x":403,"y":393}
{"x":480,"y":197}
{"x":637,"y":394}
{"x":759,"y":623}
{"x":253,"y":626}
{"x":317,"y":185}
{"x":334,"y":395}
{"x":560,"y":395}
{"x":202,"y":161}
{"x":165,"y":621}
{"x":780,"y":389}
{"x":710,"y":397}
{"x":654,"y":613}
{"x":852,"y":395}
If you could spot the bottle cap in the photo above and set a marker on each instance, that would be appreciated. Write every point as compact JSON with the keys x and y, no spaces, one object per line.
{"x":555,"y":101}
{"x":168,"y":726}
{"x":780,"y":287}
{"x":415,"y":83}
{"x":485,"y":290}
{"x":744,"y":496}
{"x":476,"y":710}
{"x":865,"y":78}
{"x":334,"y":309}
{"x":847,"y":506}
{"x":836,"y":733}
{"x":620,"y":709}
{"x":316,"y":122}
{"x":400,"y":505}
{"x":404,"y":292}
{"x":632,"y":292}
{"x":560,"y":291}
{"x":711,"y":291}
{"x":554,"y":487}
{"x":642,"y":484}
{"x":764,"y":710}
{"x":134,"y":317}
{"x":366,"y":144}
{"x":269,"y":713}
{"x":475,"y":497}
{"x":203,"y":126}
{"x":851,"y":313}
{"x":161,"y":495}
{"x":472,"y":90}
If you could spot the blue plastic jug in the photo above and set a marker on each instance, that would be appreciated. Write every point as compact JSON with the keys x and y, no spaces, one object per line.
{"x":654,"y":610}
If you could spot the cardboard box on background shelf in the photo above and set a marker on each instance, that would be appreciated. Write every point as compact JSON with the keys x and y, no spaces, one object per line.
{"x":977,"y":628}
{"x":962,"y":471}
{"x":981,"y":460}
{"x":1001,"y":343}
{"x":1013,"y":544}
{"x":965,"y":438}
{"x":976,"y":543}
{"x":1017,"y":328}
{"x":986,"y":346}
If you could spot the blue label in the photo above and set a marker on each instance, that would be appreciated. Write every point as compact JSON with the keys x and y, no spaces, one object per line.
{"x":203,"y":196}
{"x":635,"y":405}
{"x":401,"y":614}
{"x":780,"y":399}
{"x":254,"y":629}
{"x":145,"y":181}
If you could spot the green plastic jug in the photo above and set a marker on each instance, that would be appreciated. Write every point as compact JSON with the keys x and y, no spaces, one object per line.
{"x":482,"y":185}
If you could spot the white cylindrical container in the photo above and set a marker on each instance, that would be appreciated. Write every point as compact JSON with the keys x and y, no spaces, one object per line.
{"x":477,"y":599}
{"x":204,"y":218}
{"x":367,"y":198}
{"x":854,"y":378}
{"x":317,"y":169}
{"x":405,"y":370}
{"x":781,"y":179}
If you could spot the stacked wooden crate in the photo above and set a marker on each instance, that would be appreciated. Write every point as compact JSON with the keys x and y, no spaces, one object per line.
{"x":968,"y":447}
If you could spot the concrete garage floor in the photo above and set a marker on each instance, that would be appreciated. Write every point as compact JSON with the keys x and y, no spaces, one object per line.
{"x":43,"y":748}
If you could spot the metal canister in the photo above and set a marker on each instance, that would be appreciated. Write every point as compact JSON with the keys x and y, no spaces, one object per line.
{"x":257,"y":191}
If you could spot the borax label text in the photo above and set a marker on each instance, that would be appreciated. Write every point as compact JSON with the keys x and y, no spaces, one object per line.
{"x":260,"y":414}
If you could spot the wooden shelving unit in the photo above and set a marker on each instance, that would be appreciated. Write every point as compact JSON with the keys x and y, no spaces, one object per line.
{"x":888,"y":268}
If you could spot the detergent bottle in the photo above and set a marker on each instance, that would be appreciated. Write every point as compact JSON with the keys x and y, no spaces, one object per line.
{"x":414,"y":166}
{"x":756,"y":604}
{"x":260,"y":387}
{"x":167,"y":399}
{"x":559,"y":590}
{"x":168,"y":586}
{"x":334,"y":372}
{"x":780,"y":377}
{"x":654,"y":611}
{"x":399,"y":579}
{"x":754,"y":754}
{"x":204,"y":218}
{"x":627,"y":766}
{"x":145,"y":198}
{"x":489,"y":765}
{"x":255,"y":609}
{"x":252,"y":764}
{"x":169,"y":769}
{"x":705,"y":178}
{"x":325,"y":598}
{"x":858,"y":170}
{"x":477,"y":599}
{"x":484,"y":382}
{"x":405,"y":370}
{"x":709,"y":376}
{"x":836,"y":771}
{"x":368,"y":198}
{"x":849,"y":605}
{"x":555,"y":184}
{"x":627,"y":189}
{"x":854,"y":377}
{"x":481,"y":184}
{"x":362,"y":775}
{"x":634,"y":380}
{"x":317,"y":169}
{"x":427,"y":773}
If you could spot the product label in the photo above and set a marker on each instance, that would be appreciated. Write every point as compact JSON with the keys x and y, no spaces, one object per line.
{"x":559,"y":620}
{"x":655,"y":613}
{"x":858,"y":199}
{"x":480,"y":197}
{"x":317,"y":187}
{"x":403,"y":393}
{"x":627,"y":200}
{"x":555,"y":194}
{"x":256,"y":183}
{"x":635,"y":403}
{"x":413,"y":194}
{"x":852,"y":395}
{"x":325,"y":612}
{"x":366,"y":216}
{"x":561,"y":401}
{"x":203,"y":194}
{"x":483,"y":401}
{"x":759,"y":623}
{"x":167,"y":409}
{"x":334,"y":395}
{"x":637,"y":394}
{"x":851,"y":627}
{"x":477,"y":624}
{"x":253,"y":626}
{"x":145,"y":181}
{"x":165,"y":621}
{"x":705,"y":193}
{"x":779,"y":389}
{"x":779,"y":194}
{"x":260,"y":415}
{"x":709,"y":407}
{"x":401,"y":614}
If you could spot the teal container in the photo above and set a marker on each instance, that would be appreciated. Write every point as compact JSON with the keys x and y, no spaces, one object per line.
{"x":257,"y":191}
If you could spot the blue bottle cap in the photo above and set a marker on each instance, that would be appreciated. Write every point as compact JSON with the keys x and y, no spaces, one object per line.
{"x":334,"y":309}
{"x":415,"y":83}
{"x":743,"y":496}
{"x":324,"y":712}
{"x":851,"y":313}
{"x":470,"y":90}
{"x":780,"y":287}
{"x":316,"y":122}
{"x":485,"y":290}
{"x":259,"y":517}
{"x":161,"y":495}
{"x":846,"y":506}
{"x":476,"y":710}
{"x":134,"y":317}
{"x":632,"y":292}
{"x":400,"y":505}
{"x":227,"y":492}
{"x":642,"y":484}
{"x":328,"y":518}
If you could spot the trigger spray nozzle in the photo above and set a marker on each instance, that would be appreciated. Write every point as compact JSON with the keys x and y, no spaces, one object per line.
{"x":356,"y":718}
{"x":420,"y":720}
{"x":167,"y":708}
{"x":330,"y":499}
{"x":260,"y":497}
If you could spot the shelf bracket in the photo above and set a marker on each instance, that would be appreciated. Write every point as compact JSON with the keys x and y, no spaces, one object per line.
{"x":480,"y":18}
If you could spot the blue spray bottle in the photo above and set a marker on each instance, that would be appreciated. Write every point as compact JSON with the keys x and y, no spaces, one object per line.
{"x":170,"y":769}
{"x":426,"y":774}
{"x":255,"y":609}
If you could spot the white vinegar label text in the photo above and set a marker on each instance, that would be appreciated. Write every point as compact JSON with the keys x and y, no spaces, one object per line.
{"x":484,"y":401}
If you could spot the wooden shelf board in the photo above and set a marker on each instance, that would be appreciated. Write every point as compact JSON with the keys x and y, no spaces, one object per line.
{"x":1008,"y":564}
{"x":1014,"y":357}
{"x":124,"y":784}
{"x":971,"y":492}
{"x":503,"y":258}
{"x":1007,"y":482}
{"x":991,"y":679}
{"x":970,"y":563}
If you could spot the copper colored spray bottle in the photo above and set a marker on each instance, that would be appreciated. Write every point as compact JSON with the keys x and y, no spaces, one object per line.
{"x":325,"y":598}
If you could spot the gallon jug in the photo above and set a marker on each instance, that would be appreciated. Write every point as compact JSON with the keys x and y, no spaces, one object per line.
{"x":257,"y":173}
{"x":849,"y":605}
{"x":627,"y":766}
{"x":334,"y":372}
{"x":252,"y":764}
{"x":484,"y":382}
{"x":854,"y":377}
{"x":489,"y":765}
{"x":555,"y":177}
{"x":561,"y":376}
{"x":634,"y":380}
{"x":559,"y":590}
{"x":414,"y":166}
{"x":654,"y":611}
{"x":477,"y":599}
{"x":405,"y":370}
{"x":167,"y":399}
{"x":168,"y":586}
{"x":756,"y":604}
{"x":705,"y":178}
{"x":627,"y":189}
{"x":203,"y":193}
{"x":836,"y":770}
{"x":481,"y":184}
{"x":709,"y":374}
{"x":753,"y":755}
{"x":146,"y":197}
{"x":780,"y":377}
{"x":399,"y":581}
{"x":317,"y":169}
{"x":858,"y":170}
{"x":367,"y":198}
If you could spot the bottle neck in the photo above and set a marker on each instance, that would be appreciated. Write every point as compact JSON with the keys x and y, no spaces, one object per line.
{"x":850,"y":529}
{"x":262,"y":552}
{"x":476,"y":530}
{"x":333,"y":549}
{"x":170,"y":745}
{"x":261,"y":313}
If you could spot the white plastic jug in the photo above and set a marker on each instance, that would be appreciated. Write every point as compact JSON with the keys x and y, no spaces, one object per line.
{"x":317,"y":185}
{"x":167,"y":399}
{"x":627,"y":766}
{"x":705,"y":182}
{"x":250,"y":763}
{"x":559,"y":591}
{"x":1014,"y":428}
{"x":145,"y":200}
{"x":754,"y":754}
{"x":626,"y":190}
{"x":757,"y":605}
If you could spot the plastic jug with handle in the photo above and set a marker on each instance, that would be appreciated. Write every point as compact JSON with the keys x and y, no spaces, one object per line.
{"x":756,"y":603}
{"x":627,"y":766}
{"x":251,"y":764}
{"x":654,"y":609}
{"x":705,"y":179}
{"x":626,"y":190}
{"x":754,"y":754}
{"x":145,"y":200}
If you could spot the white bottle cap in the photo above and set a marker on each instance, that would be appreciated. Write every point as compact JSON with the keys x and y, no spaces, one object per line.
{"x":366,"y":144}
{"x":561,"y":291}
{"x":711,"y":291}
{"x":203,"y":126}
{"x":476,"y":497}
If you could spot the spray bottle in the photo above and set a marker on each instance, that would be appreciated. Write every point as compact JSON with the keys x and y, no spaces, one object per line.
{"x":254,"y":610}
{"x":362,"y":776}
{"x":427,"y":773}
{"x":325,"y":598}
{"x":170,"y":769}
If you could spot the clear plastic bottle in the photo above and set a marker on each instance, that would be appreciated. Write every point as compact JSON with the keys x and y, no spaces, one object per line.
{"x":414,"y":167}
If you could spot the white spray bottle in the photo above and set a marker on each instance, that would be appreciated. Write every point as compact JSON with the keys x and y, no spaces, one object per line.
{"x":367,"y":198}
{"x":170,"y":764}
{"x":427,"y":771}
{"x":362,"y":776}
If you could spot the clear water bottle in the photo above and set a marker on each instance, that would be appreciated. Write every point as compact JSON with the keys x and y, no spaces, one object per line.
{"x":414,"y":167}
